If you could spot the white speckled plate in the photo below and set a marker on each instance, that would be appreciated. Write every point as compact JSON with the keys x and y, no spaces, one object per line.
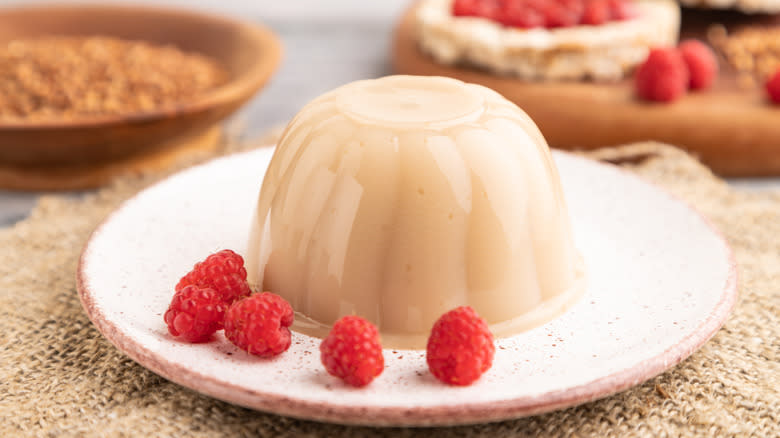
{"x":661,"y":283}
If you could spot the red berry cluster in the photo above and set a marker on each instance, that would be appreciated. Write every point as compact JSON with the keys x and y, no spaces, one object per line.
{"x":460,"y":349}
{"x":669,"y":72}
{"x":527,"y":14}
{"x":215,"y":294}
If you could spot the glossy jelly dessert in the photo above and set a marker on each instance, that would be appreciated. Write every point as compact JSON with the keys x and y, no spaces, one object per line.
{"x":401,"y":198}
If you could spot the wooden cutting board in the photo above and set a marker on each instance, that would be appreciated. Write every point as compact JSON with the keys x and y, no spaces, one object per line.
{"x":96,"y":174}
{"x":734,"y":131}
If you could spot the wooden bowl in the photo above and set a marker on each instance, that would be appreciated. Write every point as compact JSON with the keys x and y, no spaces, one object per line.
{"x":249,"y":52}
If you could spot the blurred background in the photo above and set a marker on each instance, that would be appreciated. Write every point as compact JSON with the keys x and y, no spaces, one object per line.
{"x":335,"y":41}
{"x":265,"y":9}
{"x":326,"y":44}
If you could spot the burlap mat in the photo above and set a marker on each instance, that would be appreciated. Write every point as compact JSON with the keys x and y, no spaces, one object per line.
{"x":59,"y":376}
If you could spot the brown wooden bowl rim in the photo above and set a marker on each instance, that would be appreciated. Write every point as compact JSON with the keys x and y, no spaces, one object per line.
{"x":242,"y":85}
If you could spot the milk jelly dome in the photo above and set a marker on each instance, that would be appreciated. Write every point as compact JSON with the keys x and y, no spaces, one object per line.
{"x":401,"y":198}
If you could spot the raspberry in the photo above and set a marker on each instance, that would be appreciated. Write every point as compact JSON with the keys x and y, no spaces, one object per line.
{"x":663,"y":76}
{"x":596,"y":12}
{"x":476,"y":8}
{"x":773,"y":87}
{"x":460,"y":348}
{"x":562,"y":13}
{"x":621,"y":9}
{"x":195,"y":313}
{"x":519,"y":13}
{"x":352,"y":351}
{"x":222,"y":271}
{"x":528,"y":14}
{"x":259,"y":324}
{"x":701,"y":62}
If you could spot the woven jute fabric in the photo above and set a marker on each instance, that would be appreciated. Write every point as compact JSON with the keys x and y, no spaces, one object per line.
{"x":59,"y":376}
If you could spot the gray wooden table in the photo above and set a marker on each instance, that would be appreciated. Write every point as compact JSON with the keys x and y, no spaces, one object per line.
{"x":326,"y":44}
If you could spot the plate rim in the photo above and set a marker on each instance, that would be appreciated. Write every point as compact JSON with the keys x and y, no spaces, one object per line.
{"x":461,"y":414}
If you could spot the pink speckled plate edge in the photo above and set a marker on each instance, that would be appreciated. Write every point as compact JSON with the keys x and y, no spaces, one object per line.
{"x":359,"y":414}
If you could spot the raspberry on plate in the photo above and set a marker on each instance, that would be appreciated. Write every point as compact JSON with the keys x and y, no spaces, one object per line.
{"x":258,"y":324}
{"x":773,"y":87}
{"x":663,"y":77}
{"x":701,"y":62}
{"x":460,"y":348}
{"x":224,"y":272}
{"x":195,"y":313}
{"x":352,"y":351}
